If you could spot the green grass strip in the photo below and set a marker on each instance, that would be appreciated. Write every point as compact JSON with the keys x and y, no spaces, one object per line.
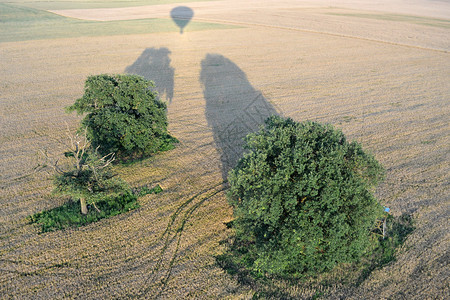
{"x":77,"y":4}
{"x":23,"y":24}
{"x":69,"y":215}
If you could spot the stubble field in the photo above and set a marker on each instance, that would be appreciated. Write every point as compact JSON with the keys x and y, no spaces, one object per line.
{"x":382,"y":76}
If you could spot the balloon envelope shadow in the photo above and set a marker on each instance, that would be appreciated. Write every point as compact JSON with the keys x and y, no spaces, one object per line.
{"x":233,"y":107}
{"x":181,"y":15}
{"x":154,"y":65}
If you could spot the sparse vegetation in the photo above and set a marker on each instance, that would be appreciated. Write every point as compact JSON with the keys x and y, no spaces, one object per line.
{"x":124,"y":116}
{"x":302,"y":199}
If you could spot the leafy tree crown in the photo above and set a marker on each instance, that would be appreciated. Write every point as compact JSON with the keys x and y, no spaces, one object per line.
{"x":302,"y":198}
{"x":123,"y":115}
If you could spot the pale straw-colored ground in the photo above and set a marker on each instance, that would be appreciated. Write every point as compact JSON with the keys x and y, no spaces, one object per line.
{"x":379,"y":71}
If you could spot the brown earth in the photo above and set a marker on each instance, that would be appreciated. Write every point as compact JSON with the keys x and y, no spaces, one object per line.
{"x":382,"y":77}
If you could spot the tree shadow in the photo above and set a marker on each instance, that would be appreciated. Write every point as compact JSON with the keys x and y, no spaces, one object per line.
{"x":233,"y":107}
{"x":154,"y":65}
{"x":398,"y":228}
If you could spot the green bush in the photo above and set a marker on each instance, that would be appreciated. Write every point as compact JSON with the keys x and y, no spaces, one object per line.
{"x":302,"y":199}
{"x":123,"y":116}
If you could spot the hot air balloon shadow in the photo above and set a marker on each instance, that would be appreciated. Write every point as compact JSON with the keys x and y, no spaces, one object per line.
{"x":181,"y":15}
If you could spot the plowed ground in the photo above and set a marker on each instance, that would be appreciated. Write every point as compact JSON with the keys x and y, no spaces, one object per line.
{"x":380,"y":76}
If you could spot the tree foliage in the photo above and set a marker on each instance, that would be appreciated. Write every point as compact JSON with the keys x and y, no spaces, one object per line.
{"x":123,"y":116}
{"x":302,"y":199}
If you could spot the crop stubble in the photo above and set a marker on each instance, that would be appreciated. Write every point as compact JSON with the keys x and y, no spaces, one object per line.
{"x":391,"y":97}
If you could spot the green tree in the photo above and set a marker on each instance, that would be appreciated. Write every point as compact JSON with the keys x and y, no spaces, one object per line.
{"x":302,"y":199}
{"x":123,"y":116}
{"x":87,"y":176}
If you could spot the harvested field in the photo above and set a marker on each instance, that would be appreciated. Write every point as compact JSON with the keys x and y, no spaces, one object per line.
{"x":380,"y":73}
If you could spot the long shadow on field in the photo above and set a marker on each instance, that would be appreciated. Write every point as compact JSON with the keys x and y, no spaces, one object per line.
{"x":233,"y":107}
{"x":154,"y":65}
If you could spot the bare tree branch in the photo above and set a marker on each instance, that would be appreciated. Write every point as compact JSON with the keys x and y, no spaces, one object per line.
{"x":96,"y":208}
{"x":57,"y":168}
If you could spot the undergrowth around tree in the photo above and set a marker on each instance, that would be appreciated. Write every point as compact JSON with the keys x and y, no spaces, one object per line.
{"x":382,"y":252}
{"x":124,"y":115}
{"x":69,"y":215}
{"x":303,"y":200}
{"x":88,"y":177}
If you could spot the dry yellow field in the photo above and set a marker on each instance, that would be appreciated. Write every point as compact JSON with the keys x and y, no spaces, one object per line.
{"x":379,"y":73}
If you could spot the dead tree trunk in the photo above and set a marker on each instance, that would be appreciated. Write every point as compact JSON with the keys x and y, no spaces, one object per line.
{"x":83,"y":206}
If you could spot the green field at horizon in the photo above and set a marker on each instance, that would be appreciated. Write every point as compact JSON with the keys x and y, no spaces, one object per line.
{"x":23,"y":23}
{"x":79,"y":4}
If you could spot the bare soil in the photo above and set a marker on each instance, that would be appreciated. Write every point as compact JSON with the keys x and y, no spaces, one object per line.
{"x":382,"y":77}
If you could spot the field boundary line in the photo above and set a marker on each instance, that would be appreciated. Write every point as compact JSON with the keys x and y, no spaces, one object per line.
{"x":319,"y":32}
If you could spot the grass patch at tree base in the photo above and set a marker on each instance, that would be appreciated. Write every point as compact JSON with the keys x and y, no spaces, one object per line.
{"x":383,"y":252}
{"x":69,"y":215}
{"x":385,"y":249}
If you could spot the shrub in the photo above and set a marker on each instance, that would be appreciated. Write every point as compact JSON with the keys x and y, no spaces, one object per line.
{"x":123,"y":116}
{"x":302,"y":199}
